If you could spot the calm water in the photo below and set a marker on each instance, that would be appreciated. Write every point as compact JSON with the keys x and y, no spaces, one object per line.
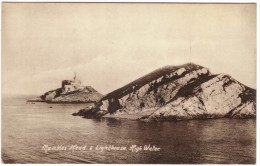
{"x":26,"y":128}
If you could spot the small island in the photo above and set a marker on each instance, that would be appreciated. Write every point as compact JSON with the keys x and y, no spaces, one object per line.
{"x":71,"y":91}
{"x":171,"y":93}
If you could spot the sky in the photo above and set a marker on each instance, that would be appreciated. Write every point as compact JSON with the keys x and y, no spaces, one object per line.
{"x":110,"y":44}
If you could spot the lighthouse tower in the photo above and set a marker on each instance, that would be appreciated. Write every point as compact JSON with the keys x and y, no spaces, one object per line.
{"x":71,"y":85}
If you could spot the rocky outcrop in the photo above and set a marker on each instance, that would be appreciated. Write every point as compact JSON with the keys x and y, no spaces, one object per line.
{"x":86,"y":95}
{"x":175,"y":93}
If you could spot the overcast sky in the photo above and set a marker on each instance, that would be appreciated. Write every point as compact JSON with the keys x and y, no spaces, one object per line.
{"x":109,"y":45}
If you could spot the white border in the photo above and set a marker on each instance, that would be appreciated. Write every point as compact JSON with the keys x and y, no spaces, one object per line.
{"x":138,"y":1}
{"x":149,"y":1}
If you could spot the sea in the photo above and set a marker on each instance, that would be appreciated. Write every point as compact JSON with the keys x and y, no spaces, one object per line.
{"x":48,"y":133}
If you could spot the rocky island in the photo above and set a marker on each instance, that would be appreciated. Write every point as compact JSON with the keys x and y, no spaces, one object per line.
{"x":71,"y":91}
{"x":181,"y":92}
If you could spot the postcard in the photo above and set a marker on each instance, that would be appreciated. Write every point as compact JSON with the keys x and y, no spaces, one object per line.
{"x":129,"y":83}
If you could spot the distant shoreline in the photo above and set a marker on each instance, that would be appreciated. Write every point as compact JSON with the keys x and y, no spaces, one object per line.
{"x":59,"y":102}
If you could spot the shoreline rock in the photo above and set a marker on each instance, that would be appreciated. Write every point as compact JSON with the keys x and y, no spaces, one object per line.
{"x":86,"y":95}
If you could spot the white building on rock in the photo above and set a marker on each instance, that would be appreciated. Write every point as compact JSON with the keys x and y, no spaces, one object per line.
{"x":71,"y":85}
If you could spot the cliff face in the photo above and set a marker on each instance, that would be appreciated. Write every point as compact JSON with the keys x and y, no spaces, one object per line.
{"x":86,"y":95}
{"x":175,"y":93}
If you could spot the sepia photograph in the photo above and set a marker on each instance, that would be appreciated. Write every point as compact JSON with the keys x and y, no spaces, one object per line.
{"x":128,"y":83}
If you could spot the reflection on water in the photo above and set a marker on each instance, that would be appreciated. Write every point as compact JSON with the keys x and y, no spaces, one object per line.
{"x":111,"y":122}
{"x":27,"y":127}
